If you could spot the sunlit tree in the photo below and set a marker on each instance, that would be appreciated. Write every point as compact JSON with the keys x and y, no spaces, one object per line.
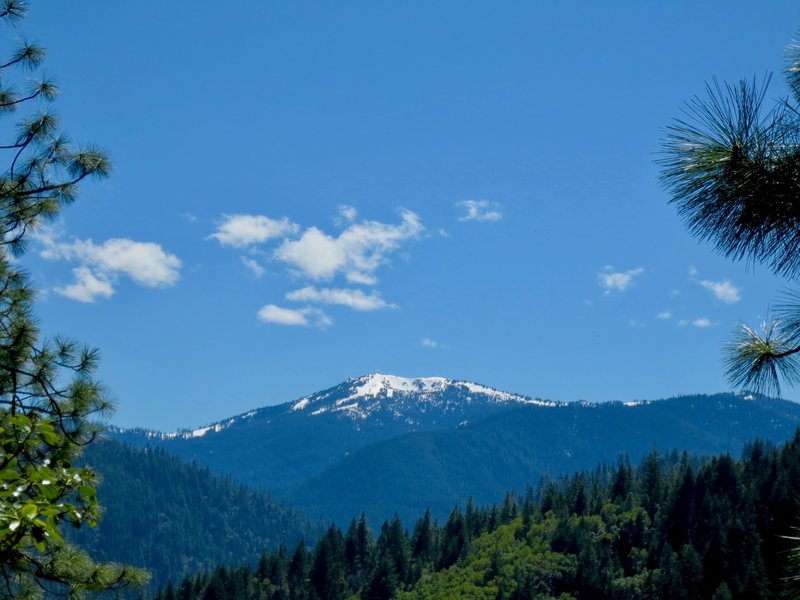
{"x":732,"y":165}
{"x":49,"y":400}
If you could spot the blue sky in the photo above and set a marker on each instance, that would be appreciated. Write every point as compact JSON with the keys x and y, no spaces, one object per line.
{"x":308,"y":191}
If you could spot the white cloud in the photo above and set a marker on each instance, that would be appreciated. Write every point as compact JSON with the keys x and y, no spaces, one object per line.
{"x":146,"y":263}
{"x":87,"y":287}
{"x":316,"y":254}
{"x":347,"y":212}
{"x":361,"y":278}
{"x":355,"y":299}
{"x":723,"y":290}
{"x":444,"y":233}
{"x":253,"y":266}
{"x":702,"y":322}
{"x":241,"y":231}
{"x":302,"y":317}
{"x":357,"y":252}
{"x":427,"y":342}
{"x":692,"y":271}
{"x":663,"y":315}
{"x":618,"y":281}
{"x":480,"y":210}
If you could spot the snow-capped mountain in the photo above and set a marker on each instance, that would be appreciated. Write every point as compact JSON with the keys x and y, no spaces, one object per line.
{"x":380,"y":400}
{"x":300,"y":437}
{"x":407,"y":400}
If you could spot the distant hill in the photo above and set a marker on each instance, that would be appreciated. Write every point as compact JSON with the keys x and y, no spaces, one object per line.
{"x":382,"y":444}
{"x":174,"y":518}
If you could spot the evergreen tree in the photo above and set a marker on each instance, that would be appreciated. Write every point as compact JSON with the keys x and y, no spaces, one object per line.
{"x":651,"y":483}
{"x":327,"y":574}
{"x":48,"y":399}
{"x":358,"y":549}
{"x":298,"y":573}
{"x":423,"y":540}
{"x":454,"y":539}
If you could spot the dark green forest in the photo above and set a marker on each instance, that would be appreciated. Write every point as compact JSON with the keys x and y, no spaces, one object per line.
{"x":175,"y":518}
{"x":673,"y":527}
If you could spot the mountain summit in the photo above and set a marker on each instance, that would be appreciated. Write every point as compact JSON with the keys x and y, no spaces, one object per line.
{"x":417,"y":402}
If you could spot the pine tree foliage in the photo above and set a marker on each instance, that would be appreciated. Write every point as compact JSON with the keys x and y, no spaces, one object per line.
{"x":49,"y":400}
{"x":732,"y":166}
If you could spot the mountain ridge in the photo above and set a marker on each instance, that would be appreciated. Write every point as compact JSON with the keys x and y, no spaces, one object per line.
{"x":382,"y":444}
{"x":374,"y":386}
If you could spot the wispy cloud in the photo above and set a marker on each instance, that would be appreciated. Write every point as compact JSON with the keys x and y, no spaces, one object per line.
{"x":617,"y":280}
{"x":723,"y":290}
{"x":347,"y":213}
{"x":702,"y":322}
{"x":664,"y":315}
{"x":253,"y":266}
{"x":298,"y":317}
{"x":351,"y":298}
{"x":101,"y":265}
{"x":427,"y":342}
{"x":241,"y":231}
{"x":357,"y":252}
{"x":480,"y":210}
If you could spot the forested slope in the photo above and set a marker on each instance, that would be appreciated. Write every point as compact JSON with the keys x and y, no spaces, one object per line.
{"x":516,"y":447}
{"x":175,"y":518}
{"x":669,"y":528}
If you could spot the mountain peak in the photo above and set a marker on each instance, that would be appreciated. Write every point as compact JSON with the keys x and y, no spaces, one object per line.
{"x":374,"y":384}
{"x":405,"y":398}
{"x":416,"y":402}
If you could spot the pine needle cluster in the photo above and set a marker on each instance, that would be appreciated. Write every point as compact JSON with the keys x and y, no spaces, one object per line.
{"x":732,"y":165}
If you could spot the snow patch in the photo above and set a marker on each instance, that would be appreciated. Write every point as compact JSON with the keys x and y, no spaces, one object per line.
{"x":300,"y":404}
